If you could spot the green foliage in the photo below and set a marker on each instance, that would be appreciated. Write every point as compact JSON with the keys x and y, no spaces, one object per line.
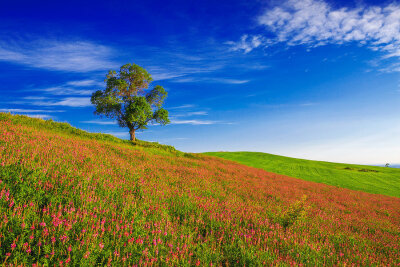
{"x":127,"y":99}
{"x":138,"y":111}
{"x":371,"y":179}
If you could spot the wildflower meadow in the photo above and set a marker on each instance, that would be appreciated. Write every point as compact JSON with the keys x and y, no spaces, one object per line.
{"x":70,"y":200}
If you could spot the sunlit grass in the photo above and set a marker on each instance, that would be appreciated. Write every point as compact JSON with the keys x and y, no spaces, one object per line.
{"x":372,"y":179}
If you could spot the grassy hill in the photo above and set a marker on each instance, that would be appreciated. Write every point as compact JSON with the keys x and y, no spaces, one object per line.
{"x":376,"y":180}
{"x":68,"y":197}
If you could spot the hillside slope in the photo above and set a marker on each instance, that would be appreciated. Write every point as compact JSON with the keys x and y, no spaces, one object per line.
{"x":68,"y":199}
{"x":371,"y":179}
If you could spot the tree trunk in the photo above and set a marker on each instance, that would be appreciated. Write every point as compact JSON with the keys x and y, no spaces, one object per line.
{"x":132,"y":134}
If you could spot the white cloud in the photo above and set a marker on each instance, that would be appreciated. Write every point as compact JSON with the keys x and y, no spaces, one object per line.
{"x":183,"y":106}
{"x":194,"y":122}
{"x":197,"y":113}
{"x":19,"y":110}
{"x":210,"y":80}
{"x":183,"y":111}
{"x":315,"y":23}
{"x":200,"y":122}
{"x":82,"y":87}
{"x":165,"y":75}
{"x":85,"y":83}
{"x":181,"y":69}
{"x":67,"y":102}
{"x":246,"y":43}
{"x":61,"y":90}
{"x":78,"y":56}
{"x":73,"y":102}
{"x":308,"y":104}
{"x":100,"y":122}
{"x":228,"y":81}
{"x":287,"y":105}
{"x":193,"y":113}
{"x":35,"y":97}
{"x":392,"y":67}
{"x":186,"y":117}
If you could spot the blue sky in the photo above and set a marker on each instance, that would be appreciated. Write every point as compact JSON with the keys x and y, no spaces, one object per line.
{"x":310,"y":79}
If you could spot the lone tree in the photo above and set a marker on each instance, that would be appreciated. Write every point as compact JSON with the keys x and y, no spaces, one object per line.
{"x":128,"y":99}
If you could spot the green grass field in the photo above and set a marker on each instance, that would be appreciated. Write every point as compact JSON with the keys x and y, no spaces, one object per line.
{"x":371,"y":179}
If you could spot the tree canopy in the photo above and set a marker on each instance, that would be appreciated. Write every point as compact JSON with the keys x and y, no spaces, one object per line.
{"x":128,"y":99}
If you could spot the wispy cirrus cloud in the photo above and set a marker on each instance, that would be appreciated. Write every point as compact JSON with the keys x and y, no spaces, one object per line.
{"x":200,"y":122}
{"x":71,"y":56}
{"x":100,"y":122}
{"x":184,"y":68}
{"x":185,"y":115}
{"x":194,"y":122}
{"x":195,"y":113}
{"x":185,"y":106}
{"x":247,"y":43}
{"x":80,"y":87}
{"x":229,"y":81}
{"x":287,"y":105}
{"x":85,"y":83}
{"x":190,"y":114}
{"x":181,"y":69}
{"x":176,"y":62}
{"x":75,"y":102}
{"x":35,"y":98}
{"x":210,"y":80}
{"x":62,"y":90}
{"x":392,"y":67}
{"x":316,"y":23}
{"x":69,"y":102}
{"x":20,"y":110}
{"x":161,"y":74}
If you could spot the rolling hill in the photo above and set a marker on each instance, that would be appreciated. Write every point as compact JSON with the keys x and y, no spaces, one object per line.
{"x":68,"y":197}
{"x":371,"y":179}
